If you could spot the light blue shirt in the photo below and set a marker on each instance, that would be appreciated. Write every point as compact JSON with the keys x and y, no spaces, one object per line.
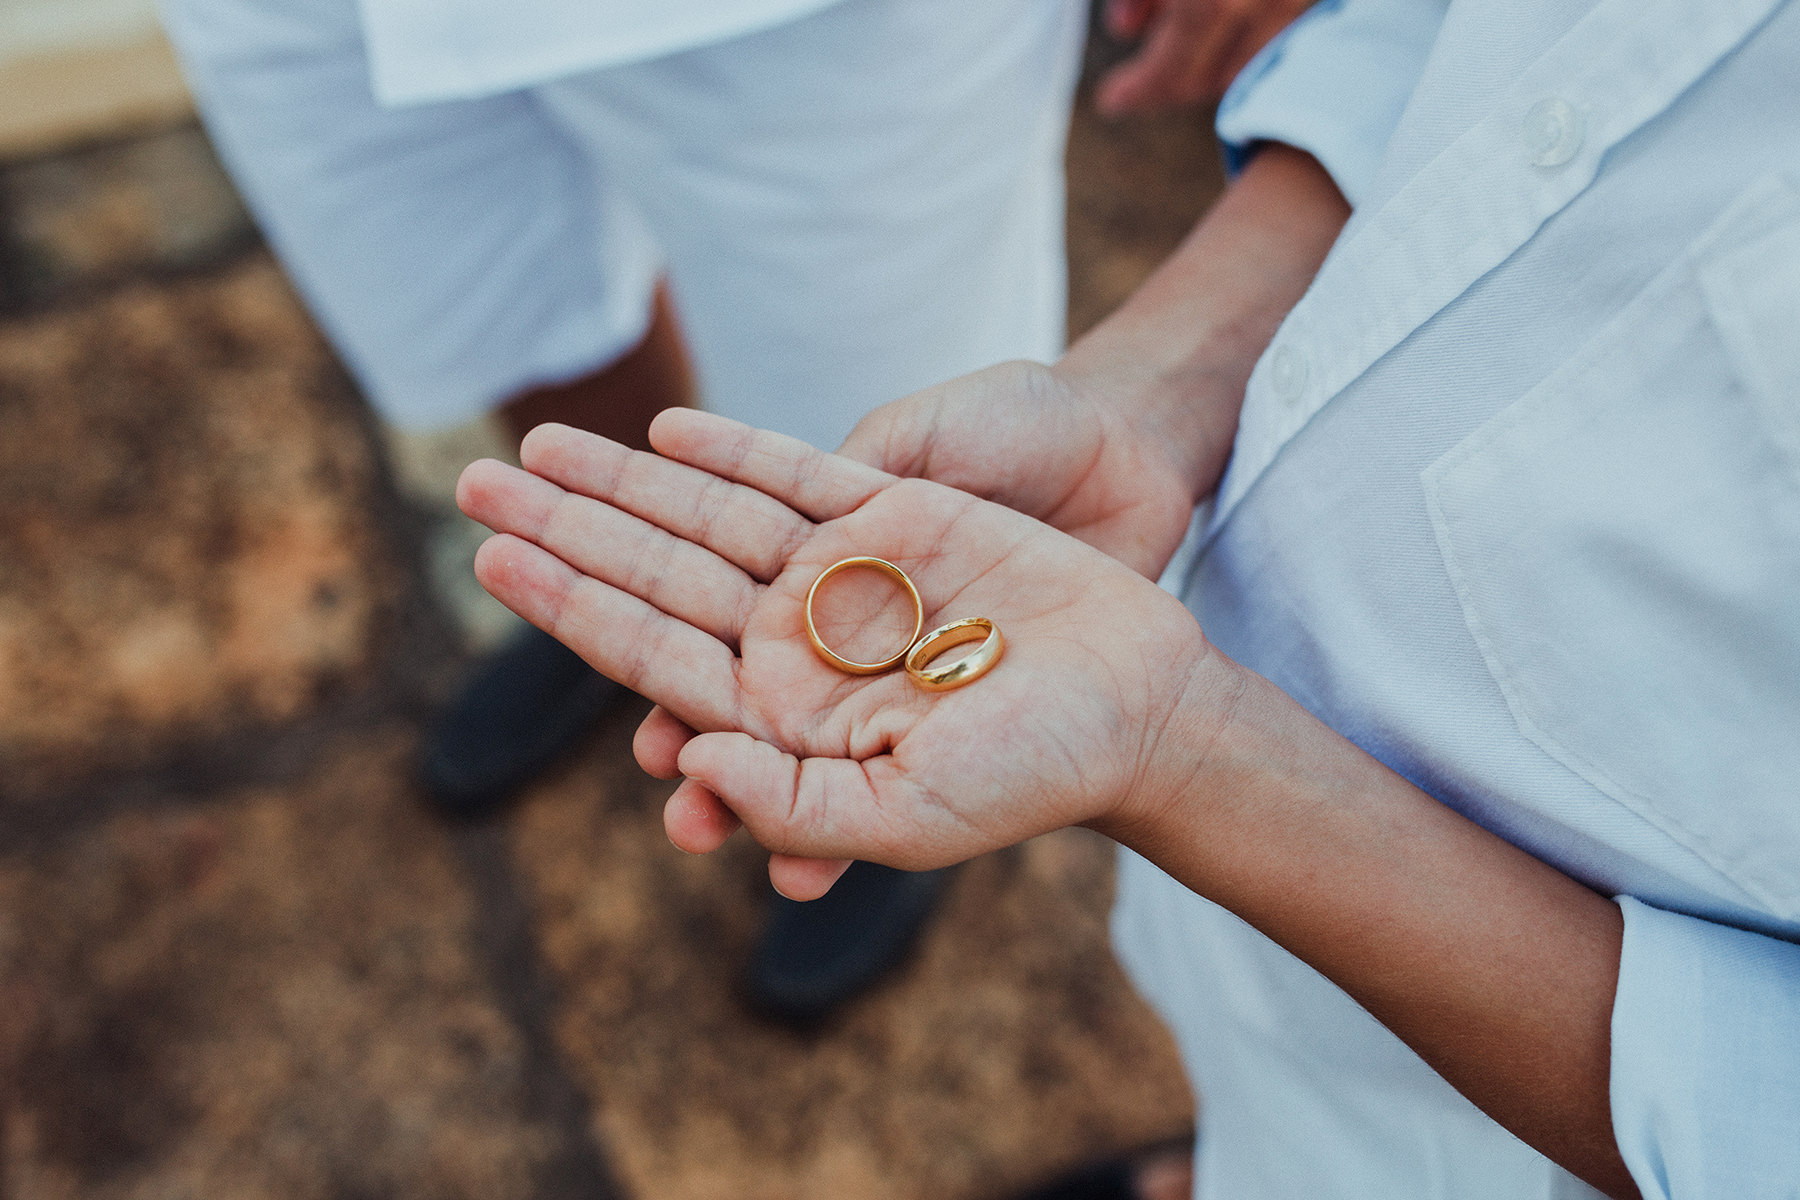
{"x":1515,"y":506}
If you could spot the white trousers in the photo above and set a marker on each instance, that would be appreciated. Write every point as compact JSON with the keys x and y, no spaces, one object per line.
{"x":847,"y":207}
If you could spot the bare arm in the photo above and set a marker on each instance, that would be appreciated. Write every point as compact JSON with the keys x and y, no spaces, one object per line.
{"x":1498,"y":969}
{"x":1495,"y":967}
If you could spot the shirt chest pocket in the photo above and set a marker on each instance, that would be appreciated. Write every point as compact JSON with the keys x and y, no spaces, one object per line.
{"x":1624,"y":540}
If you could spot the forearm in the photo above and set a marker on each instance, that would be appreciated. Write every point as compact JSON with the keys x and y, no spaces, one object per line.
{"x":1177,"y":354}
{"x":1497,"y":969}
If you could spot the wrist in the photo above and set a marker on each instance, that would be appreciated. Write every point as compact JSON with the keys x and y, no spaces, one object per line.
{"x":1183,"y":403}
{"x":1174,"y":359}
{"x":1188,"y":754}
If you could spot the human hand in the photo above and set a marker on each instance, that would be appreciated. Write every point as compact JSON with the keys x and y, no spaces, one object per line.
{"x":1190,"y":50}
{"x":684,"y":577}
{"x":1118,"y":440}
{"x":1034,"y":439}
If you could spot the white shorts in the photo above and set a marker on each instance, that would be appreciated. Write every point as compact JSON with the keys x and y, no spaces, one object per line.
{"x":847,"y":207}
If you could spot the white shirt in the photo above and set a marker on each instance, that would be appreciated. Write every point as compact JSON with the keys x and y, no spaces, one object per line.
{"x":1515,"y":505}
{"x":423,"y":50}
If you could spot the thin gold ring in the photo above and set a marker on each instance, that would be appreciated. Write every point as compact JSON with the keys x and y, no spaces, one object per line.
{"x":886,"y":568}
{"x":967,"y":669}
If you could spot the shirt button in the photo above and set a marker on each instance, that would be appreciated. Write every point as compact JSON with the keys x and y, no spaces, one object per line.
{"x":1287,"y":374}
{"x":1553,"y":131}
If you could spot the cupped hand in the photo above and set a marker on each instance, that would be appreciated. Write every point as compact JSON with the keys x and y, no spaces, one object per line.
{"x":1190,"y":50}
{"x":1029,"y":437}
{"x":684,"y":577}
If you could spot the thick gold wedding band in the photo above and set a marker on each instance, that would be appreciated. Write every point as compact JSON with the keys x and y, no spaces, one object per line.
{"x":873,"y":564}
{"x":967,"y":669}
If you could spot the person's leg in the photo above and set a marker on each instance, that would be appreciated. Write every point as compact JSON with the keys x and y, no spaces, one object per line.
{"x":531,"y":700}
{"x":620,"y":399}
{"x":854,"y":206}
{"x":461,"y":256}
{"x":456,"y":254}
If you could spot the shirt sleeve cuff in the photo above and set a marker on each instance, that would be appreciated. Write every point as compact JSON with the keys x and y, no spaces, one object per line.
{"x":1333,"y":84}
{"x":1706,"y":1058}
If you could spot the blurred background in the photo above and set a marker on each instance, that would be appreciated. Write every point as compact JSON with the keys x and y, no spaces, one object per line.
{"x":238,"y":956}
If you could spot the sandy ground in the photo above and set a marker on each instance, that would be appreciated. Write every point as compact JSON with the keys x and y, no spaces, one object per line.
{"x":239,"y":958}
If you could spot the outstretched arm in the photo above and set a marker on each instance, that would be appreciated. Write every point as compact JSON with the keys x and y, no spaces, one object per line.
{"x":684,"y":577}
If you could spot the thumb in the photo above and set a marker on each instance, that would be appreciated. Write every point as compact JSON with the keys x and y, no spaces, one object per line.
{"x":808,"y":808}
{"x":896,"y":437}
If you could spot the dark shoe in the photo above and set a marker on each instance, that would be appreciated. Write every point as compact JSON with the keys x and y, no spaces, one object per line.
{"x":817,"y":954}
{"x":1163,"y":1169}
{"x":526,"y":705}
{"x":1115,"y":1179}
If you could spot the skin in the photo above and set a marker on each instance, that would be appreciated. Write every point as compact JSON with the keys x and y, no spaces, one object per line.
{"x":1189,"y":50}
{"x":1116,"y":442}
{"x":619,"y":400}
{"x":683,"y":574}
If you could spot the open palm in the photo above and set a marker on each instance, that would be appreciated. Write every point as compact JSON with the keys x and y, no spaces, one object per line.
{"x":685,"y":576}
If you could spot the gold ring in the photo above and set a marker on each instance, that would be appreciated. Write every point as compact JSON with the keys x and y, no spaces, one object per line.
{"x":886,"y":568}
{"x":964,"y":670}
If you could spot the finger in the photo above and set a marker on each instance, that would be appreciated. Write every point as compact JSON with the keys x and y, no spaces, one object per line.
{"x":1260,"y":22}
{"x":1182,"y":54}
{"x":658,"y":742}
{"x":811,"y":808}
{"x":805,"y":878}
{"x":1238,"y":56}
{"x":761,"y":785}
{"x":682,"y":579}
{"x":1242,"y":29}
{"x":819,"y":486}
{"x":896,"y":437}
{"x":741,"y":524}
{"x":685,"y":670}
{"x":696,"y":821}
{"x":1126,"y":18}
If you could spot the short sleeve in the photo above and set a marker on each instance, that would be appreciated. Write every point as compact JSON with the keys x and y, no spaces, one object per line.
{"x":1706,"y":1058}
{"x":1334,"y":84}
